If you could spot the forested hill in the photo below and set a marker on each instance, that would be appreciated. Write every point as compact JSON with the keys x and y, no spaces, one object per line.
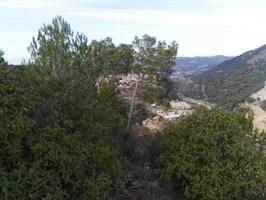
{"x":232,"y":81}
{"x":194,"y":65}
{"x":13,"y":66}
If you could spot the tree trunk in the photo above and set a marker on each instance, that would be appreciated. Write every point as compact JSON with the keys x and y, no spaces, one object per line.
{"x":132,"y":105}
{"x":98,"y":87}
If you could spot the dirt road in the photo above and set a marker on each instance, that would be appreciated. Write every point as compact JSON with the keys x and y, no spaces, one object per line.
{"x":259,"y":117}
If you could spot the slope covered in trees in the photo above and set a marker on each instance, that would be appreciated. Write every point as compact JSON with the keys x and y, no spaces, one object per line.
{"x":191,"y":66}
{"x":232,"y":81}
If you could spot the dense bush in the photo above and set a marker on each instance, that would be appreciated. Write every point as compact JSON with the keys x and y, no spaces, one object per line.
{"x":59,"y":137}
{"x":140,"y":114}
{"x":215,"y":154}
{"x":57,"y":144}
{"x":61,"y":121}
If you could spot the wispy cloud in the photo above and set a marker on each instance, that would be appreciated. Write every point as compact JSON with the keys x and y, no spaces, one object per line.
{"x":202,"y":27}
{"x":170,"y":17}
{"x":27,"y":4}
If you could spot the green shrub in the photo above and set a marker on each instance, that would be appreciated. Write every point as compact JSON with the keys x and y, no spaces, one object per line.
{"x":216,"y":155}
{"x":140,"y":114}
{"x":57,"y":143}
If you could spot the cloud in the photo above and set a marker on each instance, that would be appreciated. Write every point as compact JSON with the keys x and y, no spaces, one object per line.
{"x":202,"y":27}
{"x":27,"y":4}
{"x":178,"y":5}
{"x":170,"y":17}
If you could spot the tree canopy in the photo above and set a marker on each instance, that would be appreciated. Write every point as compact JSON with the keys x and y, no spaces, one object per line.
{"x":155,"y":60}
{"x":59,"y":138}
{"x":2,"y":60}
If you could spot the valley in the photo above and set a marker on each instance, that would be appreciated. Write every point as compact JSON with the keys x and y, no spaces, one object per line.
{"x":227,"y":83}
{"x":192,"y":66}
{"x":232,"y":81}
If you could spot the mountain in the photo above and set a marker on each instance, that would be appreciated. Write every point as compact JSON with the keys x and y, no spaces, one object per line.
{"x":195,"y":65}
{"x":13,"y":66}
{"x":232,"y":81}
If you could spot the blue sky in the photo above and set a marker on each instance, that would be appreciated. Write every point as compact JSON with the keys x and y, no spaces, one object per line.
{"x":201,"y":27}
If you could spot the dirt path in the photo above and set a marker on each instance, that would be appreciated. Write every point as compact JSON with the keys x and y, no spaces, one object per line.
{"x":259,"y":117}
{"x":203,"y":92}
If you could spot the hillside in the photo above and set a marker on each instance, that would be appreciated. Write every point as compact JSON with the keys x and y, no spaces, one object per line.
{"x":232,"y":81}
{"x":195,"y":65}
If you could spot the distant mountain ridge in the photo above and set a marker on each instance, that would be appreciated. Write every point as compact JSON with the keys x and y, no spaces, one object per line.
{"x":232,"y":81}
{"x":195,"y":65}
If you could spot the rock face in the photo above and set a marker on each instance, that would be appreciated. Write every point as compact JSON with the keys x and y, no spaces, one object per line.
{"x":155,"y":124}
{"x":180,"y":105}
{"x":161,"y":117}
{"x":261,"y":94}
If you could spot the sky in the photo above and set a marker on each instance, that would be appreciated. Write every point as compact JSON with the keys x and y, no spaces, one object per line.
{"x":201,"y":27}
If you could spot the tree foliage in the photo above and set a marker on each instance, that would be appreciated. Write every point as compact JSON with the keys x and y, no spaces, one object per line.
{"x":2,"y":60}
{"x":108,"y":58}
{"x":52,"y":49}
{"x":215,"y":154}
{"x":155,"y":60}
{"x":59,"y":138}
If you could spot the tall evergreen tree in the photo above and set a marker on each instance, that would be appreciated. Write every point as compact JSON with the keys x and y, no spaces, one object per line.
{"x":2,"y":60}
{"x":59,"y":139}
{"x":155,"y":60}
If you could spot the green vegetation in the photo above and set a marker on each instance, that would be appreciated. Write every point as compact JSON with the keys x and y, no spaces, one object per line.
{"x":156,"y":60}
{"x":215,"y":154}
{"x":63,"y":127}
{"x":2,"y":60}
{"x":191,"y":66}
{"x":60,"y":139}
{"x":59,"y":50}
{"x":51,"y":143}
{"x":61,"y":135}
